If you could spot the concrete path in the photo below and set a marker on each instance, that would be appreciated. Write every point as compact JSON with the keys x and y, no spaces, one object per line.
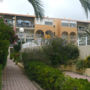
{"x":75,"y":75}
{"x":14,"y":78}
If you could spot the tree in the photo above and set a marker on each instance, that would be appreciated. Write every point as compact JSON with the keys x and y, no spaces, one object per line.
{"x":86,"y":5}
{"x":38,"y":8}
{"x":6,"y":32}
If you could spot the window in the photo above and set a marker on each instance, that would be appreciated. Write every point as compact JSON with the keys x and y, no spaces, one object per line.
{"x":69,"y":23}
{"x":81,"y":28}
{"x":9,"y":21}
{"x":88,"y":40}
{"x":72,"y":25}
{"x":82,"y":40}
{"x":23,"y":23}
{"x":48,"y":23}
{"x":65,"y":24}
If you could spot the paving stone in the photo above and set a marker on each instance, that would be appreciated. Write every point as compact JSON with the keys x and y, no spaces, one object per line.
{"x":75,"y":75}
{"x":15,"y":79}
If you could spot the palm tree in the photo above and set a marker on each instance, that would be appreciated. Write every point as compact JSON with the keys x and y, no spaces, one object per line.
{"x":38,"y":8}
{"x":86,"y":5}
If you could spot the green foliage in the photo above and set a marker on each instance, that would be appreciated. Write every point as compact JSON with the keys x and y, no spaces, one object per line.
{"x":17,"y":47}
{"x":6,"y":32}
{"x":80,"y":64}
{"x":55,"y":52}
{"x":4,"y":44}
{"x":0,"y":77}
{"x":38,"y":8}
{"x":86,"y":5}
{"x":7,"y":36}
{"x":60,"y":52}
{"x":88,"y":62}
{"x":15,"y":52}
{"x":35,"y":54}
{"x":53,"y":79}
{"x":48,"y":77}
{"x":76,"y":84}
{"x":83,"y":64}
{"x":16,"y":56}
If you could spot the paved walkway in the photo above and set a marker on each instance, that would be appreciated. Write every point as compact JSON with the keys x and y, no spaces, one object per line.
{"x":14,"y":78}
{"x":75,"y":75}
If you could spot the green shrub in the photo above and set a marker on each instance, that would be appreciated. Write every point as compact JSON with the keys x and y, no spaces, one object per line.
{"x":6,"y":32}
{"x":48,"y":77}
{"x":60,"y":52}
{"x":4,"y":44}
{"x":0,"y":77}
{"x":17,"y":47}
{"x":53,"y":79}
{"x":76,"y":84}
{"x":16,"y":56}
{"x":54,"y":52}
{"x":88,"y":62}
{"x":80,"y":64}
{"x":35,"y":54}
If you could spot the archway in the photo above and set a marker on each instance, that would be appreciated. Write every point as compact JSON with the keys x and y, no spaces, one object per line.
{"x":72,"y":37}
{"x":39,"y":34}
{"x":64,"y":35}
{"x":49,"y":34}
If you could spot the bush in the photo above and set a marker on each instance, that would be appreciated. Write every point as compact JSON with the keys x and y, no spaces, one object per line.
{"x":35,"y":54}
{"x":48,"y":77}
{"x":88,"y":62}
{"x":80,"y":64}
{"x":76,"y":84}
{"x":4,"y":44}
{"x":0,"y":77}
{"x":60,"y":52}
{"x":53,"y":79}
{"x":6,"y":32}
{"x":54,"y":52}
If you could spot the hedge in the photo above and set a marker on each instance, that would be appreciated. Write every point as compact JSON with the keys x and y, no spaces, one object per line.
{"x":53,"y":79}
{"x":4,"y":44}
{"x":0,"y":77}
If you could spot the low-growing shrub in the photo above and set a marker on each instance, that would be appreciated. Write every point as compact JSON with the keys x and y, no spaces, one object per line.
{"x":60,"y":52}
{"x":35,"y":54}
{"x":53,"y":79}
{"x":54,"y":53}
{"x":0,"y":77}
{"x":88,"y":62}
{"x":48,"y":77}
{"x":80,"y":64}
{"x":83,"y":64}
{"x":4,"y":45}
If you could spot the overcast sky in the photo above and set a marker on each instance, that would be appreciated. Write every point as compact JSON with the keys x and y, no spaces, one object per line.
{"x":69,"y":9}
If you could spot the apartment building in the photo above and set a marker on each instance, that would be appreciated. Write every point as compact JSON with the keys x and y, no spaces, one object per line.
{"x":36,"y":29}
{"x":25,"y":21}
{"x":83,"y":36}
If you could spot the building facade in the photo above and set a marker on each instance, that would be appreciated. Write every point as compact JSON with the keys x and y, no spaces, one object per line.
{"x":36,"y":29}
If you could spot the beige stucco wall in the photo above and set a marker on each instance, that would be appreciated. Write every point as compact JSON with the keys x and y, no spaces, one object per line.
{"x":84,"y":51}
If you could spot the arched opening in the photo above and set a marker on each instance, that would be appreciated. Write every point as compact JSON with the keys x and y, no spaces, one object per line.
{"x":39,"y":34}
{"x":65,"y":35}
{"x":49,"y":34}
{"x":72,"y":37}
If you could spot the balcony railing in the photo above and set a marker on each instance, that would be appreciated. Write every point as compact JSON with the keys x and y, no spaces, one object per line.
{"x":81,"y":28}
{"x":25,"y":25}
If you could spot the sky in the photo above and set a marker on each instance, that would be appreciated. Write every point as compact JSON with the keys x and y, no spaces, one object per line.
{"x":67,"y":9}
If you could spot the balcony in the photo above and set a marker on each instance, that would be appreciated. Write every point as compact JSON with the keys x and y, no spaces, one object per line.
{"x":24,"y":24}
{"x":9,"y":22}
{"x":81,"y":29}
